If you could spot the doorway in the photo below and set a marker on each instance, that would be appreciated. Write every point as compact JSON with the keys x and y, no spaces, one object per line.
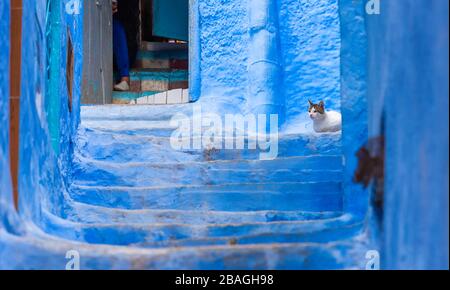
{"x":159,"y":72}
{"x":157,"y":34}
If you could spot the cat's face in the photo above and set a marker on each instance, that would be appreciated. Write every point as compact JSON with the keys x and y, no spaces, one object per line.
{"x":316,"y":111}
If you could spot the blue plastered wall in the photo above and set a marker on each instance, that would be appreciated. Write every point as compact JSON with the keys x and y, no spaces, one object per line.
{"x":223,"y":50}
{"x":408,"y":87}
{"x":42,"y":170}
{"x":39,"y":175}
{"x":308,"y":43}
{"x":353,"y":99}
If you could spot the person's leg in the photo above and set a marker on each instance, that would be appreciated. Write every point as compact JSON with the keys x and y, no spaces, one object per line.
{"x":120,"y":48}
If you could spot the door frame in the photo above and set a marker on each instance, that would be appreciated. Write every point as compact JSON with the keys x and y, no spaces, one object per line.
{"x":97,"y":78}
{"x":14,"y":96}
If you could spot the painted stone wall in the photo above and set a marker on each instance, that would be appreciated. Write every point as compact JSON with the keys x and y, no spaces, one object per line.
{"x":223,"y":50}
{"x":354,"y":99}
{"x":309,"y":46}
{"x":38,"y":174}
{"x":42,"y":171}
{"x":408,"y":84}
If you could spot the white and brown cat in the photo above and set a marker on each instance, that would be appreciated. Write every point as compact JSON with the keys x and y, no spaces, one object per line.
{"x":324,"y":121}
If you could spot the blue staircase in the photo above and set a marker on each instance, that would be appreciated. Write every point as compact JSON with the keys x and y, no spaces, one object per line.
{"x":137,"y":203}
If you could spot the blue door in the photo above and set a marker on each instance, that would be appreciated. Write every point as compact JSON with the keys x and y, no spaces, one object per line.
{"x":171,"y":19}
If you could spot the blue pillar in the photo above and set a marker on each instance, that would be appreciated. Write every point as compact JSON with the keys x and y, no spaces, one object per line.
{"x":265,"y":71}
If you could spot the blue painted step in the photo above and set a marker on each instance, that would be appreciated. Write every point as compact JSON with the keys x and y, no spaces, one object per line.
{"x":113,"y":147}
{"x":168,"y":235}
{"x":134,"y":127}
{"x":162,"y":76}
{"x":321,"y":196}
{"x":91,"y":214}
{"x":131,"y":188}
{"x":49,"y":254}
{"x":291,"y":169}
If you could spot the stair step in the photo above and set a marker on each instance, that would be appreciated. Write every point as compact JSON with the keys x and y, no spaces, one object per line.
{"x":313,"y":236}
{"x":88,"y":214}
{"x":164,"y":59}
{"x":158,"y":74}
{"x":169,"y":235}
{"x":291,"y":169}
{"x":116,"y":147}
{"x":171,"y":97}
{"x":49,"y":252}
{"x":312,"y":162}
{"x":129,"y":97}
{"x":142,"y":81}
{"x":163,"y":54}
{"x":131,"y":127}
{"x":163,"y":46}
{"x":322,"y":196}
{"x":149,"y":63}
{"x":131,"y":113}
{"x":158,"y":128}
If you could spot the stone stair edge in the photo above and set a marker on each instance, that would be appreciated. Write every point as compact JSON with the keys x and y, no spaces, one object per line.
{"x":344,"y":218}
{"x":197,"y":232}
{"x":210,"y":187}
{"x":159,"y":211}
{"x":46,"y":243}
{"x":117,"y":165}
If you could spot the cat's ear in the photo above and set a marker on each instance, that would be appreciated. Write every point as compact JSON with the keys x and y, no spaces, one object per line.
{"x":310,"y":103}
{"x":322,"y":104}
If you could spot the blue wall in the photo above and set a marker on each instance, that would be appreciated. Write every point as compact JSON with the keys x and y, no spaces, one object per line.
{"x":223,"y":51}
{"x":408,"y":81}
{"x":42,"y":171}
{"x":354,"y":99}
{"x":310,"y":45}
{"x":38,"y":170}
{"x":41,"y":177}
{"x":309,"y":48}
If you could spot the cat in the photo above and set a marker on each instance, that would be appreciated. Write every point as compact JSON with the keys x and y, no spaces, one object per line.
{"x":324,"y":121}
